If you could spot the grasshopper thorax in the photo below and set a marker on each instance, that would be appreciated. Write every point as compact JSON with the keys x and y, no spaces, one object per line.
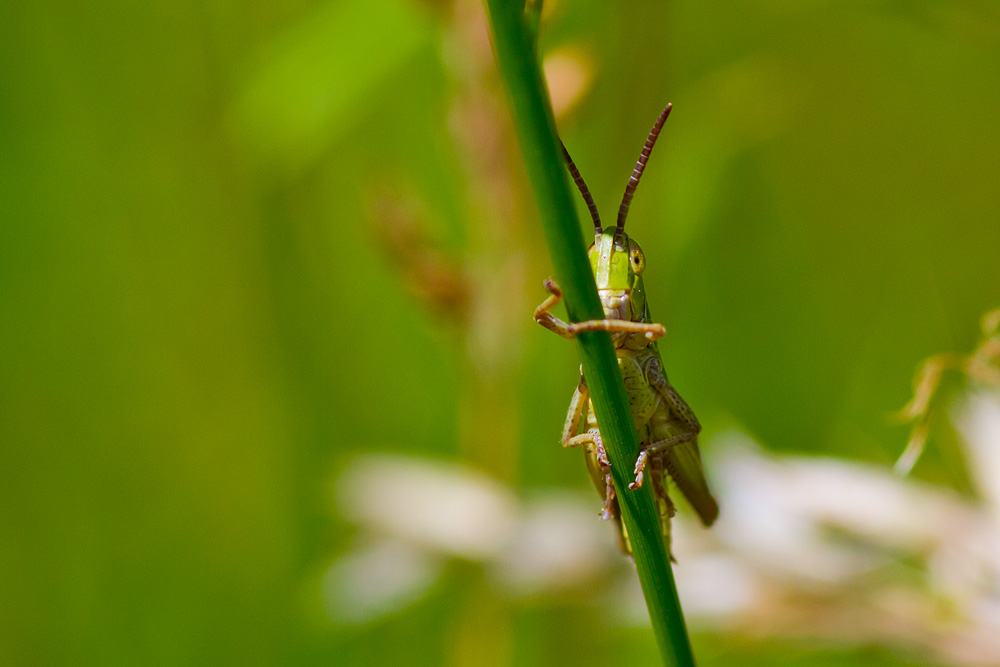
{"x":618,"y":263}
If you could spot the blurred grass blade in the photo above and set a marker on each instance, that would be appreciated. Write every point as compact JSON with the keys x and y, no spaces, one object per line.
{"x":312,"y":86}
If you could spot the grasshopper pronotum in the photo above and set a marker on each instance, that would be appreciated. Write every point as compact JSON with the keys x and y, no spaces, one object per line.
{"x":667,"y":427}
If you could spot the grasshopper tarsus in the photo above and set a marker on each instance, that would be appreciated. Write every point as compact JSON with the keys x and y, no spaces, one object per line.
{"x":640,"y":467}
{"x":609,"y":510}
{"x":602,"y":454}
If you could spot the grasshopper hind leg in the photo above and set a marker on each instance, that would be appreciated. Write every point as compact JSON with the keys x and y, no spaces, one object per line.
{"x":674,"y":452}
{"x":663,"y":503}
{"x":664,"y":506}
{"x":674,"y":443}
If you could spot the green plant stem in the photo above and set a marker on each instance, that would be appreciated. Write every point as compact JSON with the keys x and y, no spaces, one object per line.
{"x":533,"y":18}
{"x":535,"y":127}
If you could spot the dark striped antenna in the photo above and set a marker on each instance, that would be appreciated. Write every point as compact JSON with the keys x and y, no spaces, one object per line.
{"x":578,"y":179}
{"x":640,"y":165}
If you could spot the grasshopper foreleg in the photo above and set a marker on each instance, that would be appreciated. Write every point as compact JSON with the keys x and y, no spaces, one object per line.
{"x":571,"y":329}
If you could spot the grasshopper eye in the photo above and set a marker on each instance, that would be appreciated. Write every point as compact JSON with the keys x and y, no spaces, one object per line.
{"x":636,"y":258}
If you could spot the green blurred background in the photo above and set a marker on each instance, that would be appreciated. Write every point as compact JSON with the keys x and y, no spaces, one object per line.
{"x":242,"y":243}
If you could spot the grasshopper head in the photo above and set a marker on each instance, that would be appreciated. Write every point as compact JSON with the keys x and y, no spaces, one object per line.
{"x":618,"y":264}
{"x":617,"y":260}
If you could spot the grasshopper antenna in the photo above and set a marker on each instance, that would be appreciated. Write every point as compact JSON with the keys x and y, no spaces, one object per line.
{"x":578,"y":179}
{"x":640,"y":165}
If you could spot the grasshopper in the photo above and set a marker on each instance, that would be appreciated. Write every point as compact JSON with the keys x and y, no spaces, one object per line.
{"x":667,"y":427}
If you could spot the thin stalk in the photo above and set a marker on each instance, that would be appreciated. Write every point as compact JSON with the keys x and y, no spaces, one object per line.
{"x":533,"y":18}
{"x":535,"y":126}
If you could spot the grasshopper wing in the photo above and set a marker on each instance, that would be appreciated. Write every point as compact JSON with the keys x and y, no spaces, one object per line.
{"x":683,"y":464}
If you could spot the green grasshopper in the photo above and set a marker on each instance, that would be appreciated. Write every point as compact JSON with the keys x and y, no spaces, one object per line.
{"x":667,"y":427}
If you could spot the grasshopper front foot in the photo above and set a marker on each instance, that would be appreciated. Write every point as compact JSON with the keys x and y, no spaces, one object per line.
{"x":569,"y":330}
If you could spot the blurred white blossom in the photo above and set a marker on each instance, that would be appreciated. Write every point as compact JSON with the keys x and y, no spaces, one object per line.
{"x":812,"y":547}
